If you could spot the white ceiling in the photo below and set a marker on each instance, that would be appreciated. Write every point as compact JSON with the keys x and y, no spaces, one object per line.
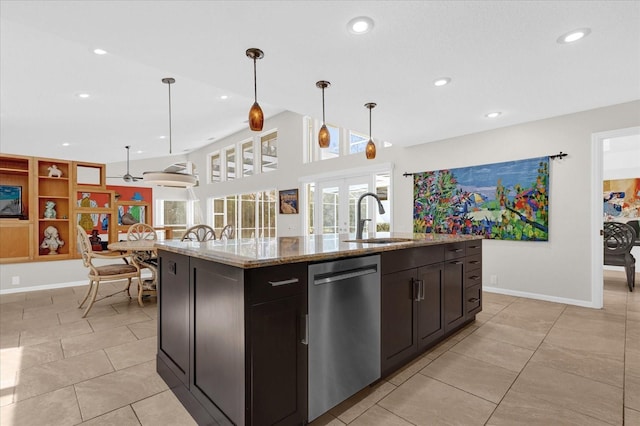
{"x":501,"y":55}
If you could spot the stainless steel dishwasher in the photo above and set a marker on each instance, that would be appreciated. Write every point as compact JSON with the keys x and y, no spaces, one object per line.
{"x":344,"y":330}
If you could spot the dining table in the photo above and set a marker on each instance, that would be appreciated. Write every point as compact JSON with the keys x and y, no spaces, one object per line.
{"x":145,"y":255}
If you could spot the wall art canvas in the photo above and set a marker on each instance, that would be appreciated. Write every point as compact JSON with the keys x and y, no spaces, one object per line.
{"x":504,"y":201}
{"x":621,"y":199}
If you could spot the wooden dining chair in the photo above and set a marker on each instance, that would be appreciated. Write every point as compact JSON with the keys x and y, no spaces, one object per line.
{"x":145,"y":260}
{"x":199,"y":233}
{"x":227,"y":233}
{"x":101,"y":273}
{"x":141,"y":231}
{"x":618,"y":242}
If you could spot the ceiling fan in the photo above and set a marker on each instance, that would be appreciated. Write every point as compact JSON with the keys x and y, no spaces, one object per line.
{"x":127,"y":176}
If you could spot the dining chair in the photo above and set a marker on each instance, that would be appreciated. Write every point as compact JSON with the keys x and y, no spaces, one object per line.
{"x":199,"y":233}
{"x":635,"y":224}
{"x":618,"y":242}
{"x":141,"y":231}
{"x":227,"y":233}
{"x":145,"y":260}
{"x":101,"y":273}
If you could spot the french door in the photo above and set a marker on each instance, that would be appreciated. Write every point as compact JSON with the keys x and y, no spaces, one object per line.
{"x":336,"y":204}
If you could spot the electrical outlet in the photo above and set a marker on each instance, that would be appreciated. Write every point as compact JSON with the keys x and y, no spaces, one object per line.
{"x":493,"y":280}
{"x":15,"y":280}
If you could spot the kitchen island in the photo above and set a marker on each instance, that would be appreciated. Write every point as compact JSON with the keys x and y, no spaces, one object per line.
{"x":234,"y":315}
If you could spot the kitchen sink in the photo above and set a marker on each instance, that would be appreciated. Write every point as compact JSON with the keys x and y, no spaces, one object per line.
{"x":380,"y":240}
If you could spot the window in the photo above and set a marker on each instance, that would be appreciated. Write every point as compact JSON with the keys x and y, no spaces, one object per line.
{"x":247,"y":158}
{"x":357,"y":142}
{"x":253,"y":214}
{"x":172,"y":212}
{"x":269,"y":152}
{"x":333,"y":150}
{"x":230,"y":162}
{"x":214,"y":160}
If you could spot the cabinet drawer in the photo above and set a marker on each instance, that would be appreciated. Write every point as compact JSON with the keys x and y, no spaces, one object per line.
{"x":474,"y":247}
{"x":274,"y":282}
{"x":400,"y":260}
{"x":473,"y":263}
{"x":454,"y":250}
{"x":472,"y":278}
{"x":473,"y":299}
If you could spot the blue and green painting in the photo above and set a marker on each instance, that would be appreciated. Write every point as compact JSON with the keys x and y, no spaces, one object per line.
{"x":503,"y":201}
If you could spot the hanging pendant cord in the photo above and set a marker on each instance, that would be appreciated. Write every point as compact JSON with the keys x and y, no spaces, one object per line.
{"x":170,"y":142}
{"x":370,"y":124}
{"x":255,"y":82}
{"x":323,"y":121}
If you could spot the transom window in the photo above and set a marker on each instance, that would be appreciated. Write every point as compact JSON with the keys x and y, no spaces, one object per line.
{"x":252,"y":214}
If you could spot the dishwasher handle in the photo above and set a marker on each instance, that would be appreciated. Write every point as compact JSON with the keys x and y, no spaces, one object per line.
{"x":339,"y":276}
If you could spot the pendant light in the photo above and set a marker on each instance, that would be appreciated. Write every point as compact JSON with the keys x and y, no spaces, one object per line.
{"x":175,"y":176}
{"x":370,"y":150}
{"x":256,"y":117}
{"x":324,"y":138}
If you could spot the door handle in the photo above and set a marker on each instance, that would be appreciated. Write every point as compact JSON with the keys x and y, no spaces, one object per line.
{"x":416,"y":289}
{"x":421,"y":292}
{"x":305,"y":327}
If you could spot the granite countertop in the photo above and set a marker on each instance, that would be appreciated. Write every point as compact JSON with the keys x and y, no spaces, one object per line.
{"x":258,"y":252}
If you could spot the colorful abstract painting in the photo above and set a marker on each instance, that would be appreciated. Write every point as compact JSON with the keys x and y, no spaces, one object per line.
{"x":621,"y":199}
{"x":504,"y":201}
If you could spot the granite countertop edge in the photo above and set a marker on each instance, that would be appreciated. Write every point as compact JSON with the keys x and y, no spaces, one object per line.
{"x":260,"y":252}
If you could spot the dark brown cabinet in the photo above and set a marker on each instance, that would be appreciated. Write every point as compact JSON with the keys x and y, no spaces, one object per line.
{"x":454,"y":304}
{"x":231,"y":340}
{"x":473,"y":278}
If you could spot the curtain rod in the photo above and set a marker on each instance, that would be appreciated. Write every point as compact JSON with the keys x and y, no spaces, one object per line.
{"x":559,"y":156}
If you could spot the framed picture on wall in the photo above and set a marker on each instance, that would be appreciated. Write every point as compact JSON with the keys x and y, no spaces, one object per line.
{"x":10,"y":201}
{"x":289,"y":201}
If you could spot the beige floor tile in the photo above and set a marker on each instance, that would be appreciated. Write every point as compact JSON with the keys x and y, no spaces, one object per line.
{"x":520,"y":408}
{"x":77,"y":345}
{"x":40,"y":312}
{"x":523,"y":321}
{"x":97,"y":310}
{"x":20,"y":358}
{"x":477,"y":377}
{"x":31,"y":302}
{"x":52,"y":333}
{"x":110,"y":391}
{"x":9,"y":339}
{"x":144,"y":329}
{"x":404,"y":373}
{"x":467,"y":330}
{"x":606,"y":326}
{"x":482,"y":317}
{"x":52,"y":409}
{"x":600,"y":346}
{"x":57,"y":374}
{"x":502,"y":299}
{"x":378,"y":416}
{"x":8,"y":380}
{"x":136,"y":352}
{"x":632,"y":362}
{"x":442,"y":347}
{"x":13,"y":313}
{"x":491,"y":308}
{"x":632,"y":340}
{"x":12,"y":298}
{"x":327,"y":419}
{"x":353,"y":407}
{"x":162,"y":409}
{"x":150,"y":307}
{"x":112,"y":321}
{"x":535,"y":309}
{"x":509,"y":334}
{"x":632,"y":392}
{"x":494,"y":352}
{"x":422,"y":400}
{"x":568,"y":391}
{"x":631,"y":417}
{"x":121,"y":417}
{"x":582,"y":363}
{"x":29,"y":324}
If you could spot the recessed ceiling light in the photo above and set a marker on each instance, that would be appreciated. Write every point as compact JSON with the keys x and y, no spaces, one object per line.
{"x":442,"y":81}
{"x":360,"y":25}
{"x":493,"y":114}
{"x":223,"y":97}
{"x":83,"y":95}
{"x":139,"y":151}
{"x":66,"y":144}
{"x":163,"y":137}
{"x":99,"y":51}
{"x":574,"y":35}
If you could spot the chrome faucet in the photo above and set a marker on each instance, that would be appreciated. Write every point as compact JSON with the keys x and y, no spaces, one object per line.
{"x":360,"y":222}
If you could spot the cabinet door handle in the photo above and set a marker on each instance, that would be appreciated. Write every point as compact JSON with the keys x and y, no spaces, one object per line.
{"x":284,"y":282}
{"x":457,"y":262}
{"x":421,"y":292}
{"x":474,"y":277}
{"x":305,"y":338}
{"x":458,"y":250}
{"x":416,"y":289}
{"x":474,"y":300}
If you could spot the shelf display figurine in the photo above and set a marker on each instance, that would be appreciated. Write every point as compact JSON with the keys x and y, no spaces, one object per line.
{"x":49,"y":211}
{"x":51,"y":240}
{"x":54,"y":171}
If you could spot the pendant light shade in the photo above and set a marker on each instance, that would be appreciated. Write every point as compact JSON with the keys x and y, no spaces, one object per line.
{"x":370,"y":150}
{"x":324,"y":138}
{"x":256,"y":117}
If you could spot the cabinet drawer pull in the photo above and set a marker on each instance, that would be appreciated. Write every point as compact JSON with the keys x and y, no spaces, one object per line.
{"x":474,"y":262}
{"x":458,"y":250}
{"x":457,"y":262}
{"x":284,"y":282}
{"x":474,"y":277}
{"x":474,"y":247}
{"x":474,"y":300}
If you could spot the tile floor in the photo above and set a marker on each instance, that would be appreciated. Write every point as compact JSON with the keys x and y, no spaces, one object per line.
{"x":522,"y":362}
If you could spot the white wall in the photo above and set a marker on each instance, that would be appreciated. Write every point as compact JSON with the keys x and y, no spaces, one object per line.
{"x":554,"y":270}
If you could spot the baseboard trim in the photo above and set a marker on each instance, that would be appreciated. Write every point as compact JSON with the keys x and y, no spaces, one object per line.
{"x":43,"y":287}
{"x":527,"y":295}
